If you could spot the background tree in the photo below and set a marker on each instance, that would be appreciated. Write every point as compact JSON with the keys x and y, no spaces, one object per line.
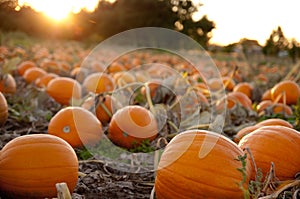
{"x":276,"y":43}
{"x":109,"y":19}
{"x":294,"y":50}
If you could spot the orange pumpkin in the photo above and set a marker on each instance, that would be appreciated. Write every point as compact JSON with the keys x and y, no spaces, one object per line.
{"x":191,"y":161}
{"x":44,"y":80}
{"x":63,"y":90}
{"x":33,"y":73}
{"x":234,"y":98}
{"x":98,"y":83}
{"x":266,"y":95}
{"x":274,"y":121}
{"x":244,"y":87}
{"x":77,"y":126}
{"x":7,"y":84}
{"x":267,"y":122}
{"x":31,"y":165}
{"x":244,"y":131}
{"x":131,"y":125}
{"x":289,"y":88}
{"x":277,"y":144}
{"x":101,"y":114}
{"x":3,"y":110}
{"x":228,"y":82}
{"x":23,"y":66}
{"x":282,"y":109}
{"x":115,"y":67}
{"x":263,"y":105}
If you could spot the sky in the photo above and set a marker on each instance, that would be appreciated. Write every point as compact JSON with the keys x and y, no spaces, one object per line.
{"x":234,"y":19}
{"x":252,"y":19}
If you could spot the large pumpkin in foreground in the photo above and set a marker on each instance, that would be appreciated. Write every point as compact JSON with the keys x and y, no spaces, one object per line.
{"x":200,"y":164}
{"x":31,"y":165}
{"x":277,"y":144}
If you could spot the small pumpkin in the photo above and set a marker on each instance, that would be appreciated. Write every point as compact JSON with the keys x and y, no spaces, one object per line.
{"x":7,"y":84}
{"x":63,"y":90}
{"x":43,"y":81}
{"x":196,"y":174}
{"x":244,"y":87}
{"x":277,"y":144}
{"x":3,"y":110}
{"x":228,"y":82}
{"x":31,"y":165}
{"x":102,"y":114}
{"x":287,"y":88}
{"x":131,"y":125}
{"x":77,"y":126}
{"x":282,"y":109}
{"x":261,"y":106}
{"x":266,"y":95}
{"x":274,"y":122}
{"x":267,"y":122}
{"x":98,"y":83}
{"x":33,"y":73}
{"x":23,"y":66}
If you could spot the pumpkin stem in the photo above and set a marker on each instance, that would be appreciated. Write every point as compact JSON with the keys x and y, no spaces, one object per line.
{"x":148,"y":97}
{"x":63,"y":191}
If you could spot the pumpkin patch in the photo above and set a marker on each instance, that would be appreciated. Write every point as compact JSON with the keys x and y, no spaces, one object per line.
{"x":145,"y":123}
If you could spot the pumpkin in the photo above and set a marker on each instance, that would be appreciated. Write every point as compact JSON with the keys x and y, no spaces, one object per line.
{"x":7,"y":84}
{"x":63,"y":90}
{"x":266,"y":95}
{"x":244,"y":87}
{"x":33,"y":73}
{"x":277,"y":144}
{"x":234,"y":98}
{"x":115,"y":67}
{"x":31,"y":165}
{"x":44,"y":80}
{"x":98,"y":83}
{"x":23,"y":66}
{"x":289,"y":88}
{"x":201,"y":164}
{"x":242,"y":98}
{"x":3,"y":110}
{"x":267,"y":122}
{"x":77,"y":126}
{"x":282,"y":109}
{"x":101,"y":114}
{"x":228,"y":82}
{"x":274,"y":121}
{"x":122,"y":78}
{"x":263,"y":105}
{"x":131,"y":125}
{"x":244,"y":131}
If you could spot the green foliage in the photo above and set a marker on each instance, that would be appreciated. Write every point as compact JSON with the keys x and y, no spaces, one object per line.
{"x":83,"y":154}
{"x":144,"y":147}
{"x":297,"y":115}
{"x":243,"y":170}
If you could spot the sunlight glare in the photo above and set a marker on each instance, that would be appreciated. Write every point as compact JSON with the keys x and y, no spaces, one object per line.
{"x":59,"y":10}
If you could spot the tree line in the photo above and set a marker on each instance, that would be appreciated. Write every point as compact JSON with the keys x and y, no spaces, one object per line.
{"x":109,"y":19}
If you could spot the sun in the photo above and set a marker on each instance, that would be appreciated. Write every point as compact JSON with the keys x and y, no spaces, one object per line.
{"x":59,"y":10}
{"x":56,"y":14}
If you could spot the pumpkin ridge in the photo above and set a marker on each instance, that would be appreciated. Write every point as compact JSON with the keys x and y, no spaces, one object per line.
{"x":37,"y":180}
{"x":17,"y":146}
{"x":229,"y":188}
{"x":214,"y":187}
